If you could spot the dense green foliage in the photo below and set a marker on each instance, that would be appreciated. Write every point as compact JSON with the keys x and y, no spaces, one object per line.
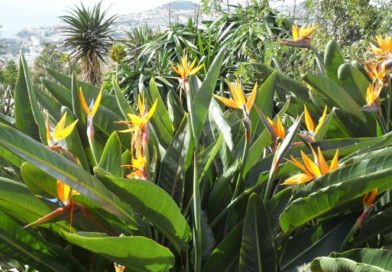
{"x":174,"y":165}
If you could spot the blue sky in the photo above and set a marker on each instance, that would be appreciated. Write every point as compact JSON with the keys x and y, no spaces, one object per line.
{"x":17,"y":14}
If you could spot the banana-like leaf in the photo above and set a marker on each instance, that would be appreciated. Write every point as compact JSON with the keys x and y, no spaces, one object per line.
{"x":161,"y":109}
{"x":319,"y":240}
{"x":49,"y":103}
{"x":62,"y":169}
{"x":137,"y":253}
{"x":257,"y":246}
{"x":155,"y":205}
{"x":381,"y":258}
{"x":207,"y":156}
{"x":24,"y":116}
{"x":338,"y":187}
{"x":354,"y":82}
{"x":216,"y":117}
{"x":322,"y":264}
{"x":62,"y":94}
{"x":105,"y":119}
{"x":226,"y":253}
{"x":172,"y":167}
{"x":111,"y":157}
{"x":374,"y":226}
{"x":221,"y":194}
{"x":284,"y":84}
{"x":201,"y":102}
{"x":38,"y":182}
{"x":76,"y":107}
{"x":337,"y":94}
{"x":18,"y":201}
{"x":123,"y":104}
{"x":90,"y":91}
{"x":24,"y":245}
{"x":332,"y":60}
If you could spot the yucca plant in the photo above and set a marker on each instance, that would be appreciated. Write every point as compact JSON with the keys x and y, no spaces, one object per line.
{"x":208,"y":182}
{"x":88,"y":38}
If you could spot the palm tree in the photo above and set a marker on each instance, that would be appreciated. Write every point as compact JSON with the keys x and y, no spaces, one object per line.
{"x":88,"y":38}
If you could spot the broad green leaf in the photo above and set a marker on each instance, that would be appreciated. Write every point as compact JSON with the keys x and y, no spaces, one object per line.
{"x":221,"y":194}
{"x":162,"y":113}
{"x":155,"y":205}
{"x":216,"y":116}
{"x":122,"y":102}
{"x":111,"y":157}
{"x":201,"y":102}
{"x":24,"y":116}
{"x":76,"y":107}
{"x":10,"y":157}
{"x":38,"y":182}
{"x":62,"y":169}
{"x":207,"y":156}
{"x":105,"y":119}
{"x":137,"y":253}
{"x":374,"y":226}
{"x":18,"y":201}
{"x":49,"y":103}
{"x":316,"y":241}
{"x":381,"y":258}
{"x":332,"y":60}
{"x":90,"y":91}
{"x":336,"y":93}
{"x":257,"y":245}
{"x":29,"y":248}
{"x":62,"y":94}
{"x":284,"y":84}
{"x":172,"y":167}
{"x":354,"y":82}
{"x":226,"y":253}
{"x":322,"y":264}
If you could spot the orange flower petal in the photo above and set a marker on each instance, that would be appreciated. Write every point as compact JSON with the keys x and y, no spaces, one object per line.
{"x":251,"y":98}
{"x":83,"y":102}
{"x":310,"y":165}
{"x":368,"y":198}
{"x":228,"y":102}
{"x":322,"y":163}
{"x":298,"y":179}
{"x":299,"y":165}
{"x":63,"y":192}
{"x":308,"y":120}
{"x":335,"y":161}
{"x":321,"y":120}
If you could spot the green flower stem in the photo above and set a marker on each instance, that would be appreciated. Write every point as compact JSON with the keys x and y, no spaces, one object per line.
{"x":197,"y":232}
{"x":274,"y":170}
{"x":381,"y":120}
{"x":246,"y":123}
{"x":92,"y":147}
{"x":90,"y":137}
{"x":319,"y":60}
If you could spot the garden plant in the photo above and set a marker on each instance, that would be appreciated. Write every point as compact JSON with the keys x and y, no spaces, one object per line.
{"x":203,"y":172}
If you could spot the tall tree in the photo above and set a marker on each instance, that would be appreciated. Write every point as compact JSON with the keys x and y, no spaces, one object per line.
{"x":88,"y":38}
